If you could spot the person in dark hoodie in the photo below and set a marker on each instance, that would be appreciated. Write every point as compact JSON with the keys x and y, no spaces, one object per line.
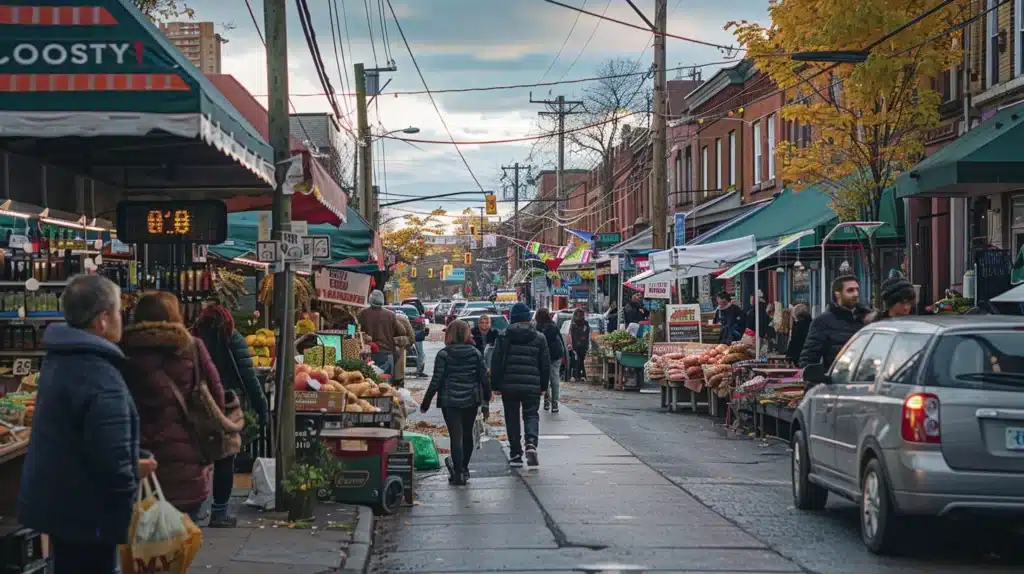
{"x":520,"y":371}
{"x":556,"y":352}
{"x":83,"y":468}
{"x":579,"y":335}
{"x":729,"y":317}
{"x":898,"y":299}
{"x":461,"y":385}
{"x":833,"y":328}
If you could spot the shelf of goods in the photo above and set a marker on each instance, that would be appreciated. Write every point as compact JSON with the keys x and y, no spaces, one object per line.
{"x":686,"y":371}
{"x":351,"y":389}
{"x":767,"y":398}
{"x":627,"y":355}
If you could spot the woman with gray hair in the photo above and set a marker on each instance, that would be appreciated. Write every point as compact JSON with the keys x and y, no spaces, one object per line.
{"x":798,"y":332}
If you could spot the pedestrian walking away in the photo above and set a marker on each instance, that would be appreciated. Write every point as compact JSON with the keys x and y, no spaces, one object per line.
{"x":163,"y":357}
{"x":520,"y":371}
{"x":579,"y":336}
{"x":556,"y":352}
{"x":231,"y":357}
{"x":83,"y":466}
{"x":462,"y":389}
{"x":382,"y":326}
{"x":833,"y":328}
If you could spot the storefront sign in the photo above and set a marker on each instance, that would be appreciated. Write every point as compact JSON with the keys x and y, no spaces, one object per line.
{"x":560,"y":291}
{"x":77,"y":54}
{"x":178,"y":221}
{"x":680,"y":229}
{"x":571,"y":280}
{"x":579,"y":293}
{"x":344,"y":287}
{"x":944,"y":131}
{"x":605,"y":240}
{"x":683,"y":323}
{"x":660,"y":290}
{"x":457,"y":275}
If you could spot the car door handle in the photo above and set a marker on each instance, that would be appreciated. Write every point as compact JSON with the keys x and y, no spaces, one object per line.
{"x":1000,"y":414}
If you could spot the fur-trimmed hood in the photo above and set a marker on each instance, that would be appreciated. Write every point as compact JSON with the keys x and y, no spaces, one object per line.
{"x":156,"y":334}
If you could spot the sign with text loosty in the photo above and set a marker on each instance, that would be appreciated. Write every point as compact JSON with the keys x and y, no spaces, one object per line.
{"x":344,"y":287}
{"x":683,"y":323}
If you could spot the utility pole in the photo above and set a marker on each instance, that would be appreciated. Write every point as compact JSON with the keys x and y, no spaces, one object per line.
{"x":275,"y":24}
{"x":560,"y":108}
{"x":515,"y":206}
{"x":659,"y":171}
{"x":367,"y":81}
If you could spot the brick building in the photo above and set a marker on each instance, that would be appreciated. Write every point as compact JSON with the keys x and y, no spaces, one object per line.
{"x":199,"y":41}
{"x":320,"y":133}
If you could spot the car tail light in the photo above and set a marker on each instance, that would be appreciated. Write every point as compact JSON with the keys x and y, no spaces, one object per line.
{"x":921,"y":419}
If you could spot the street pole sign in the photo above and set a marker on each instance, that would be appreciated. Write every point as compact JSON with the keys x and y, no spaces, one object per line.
{"x":268,"y":251}
{"x":321,"y":246}
{"x":291,"y":247}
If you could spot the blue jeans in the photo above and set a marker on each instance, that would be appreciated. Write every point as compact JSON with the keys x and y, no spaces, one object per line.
{"x":420,"y":359}
{"x":553,"y":384}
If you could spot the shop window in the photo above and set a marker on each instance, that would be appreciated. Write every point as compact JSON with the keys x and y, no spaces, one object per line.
{"x":1017,"y":222}
{"x":800,"y":286}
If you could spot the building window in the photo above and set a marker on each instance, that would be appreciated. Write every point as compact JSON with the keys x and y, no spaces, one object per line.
{"x":757,"y":152}
{"x":680,"y":198}
{"x":704,"y":171}
{"x":718,"y":163}
{"x":771,"y":146}
{"x":732,"y":158}
{"x":1018,"y":44}
{"x":688,"y":177}
{"x":992,"y":49}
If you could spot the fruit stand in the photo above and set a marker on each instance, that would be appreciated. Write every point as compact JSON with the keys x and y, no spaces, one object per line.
{"x":685,"y":371}
{"x":766,"y":398}
{"x":629,"y":354}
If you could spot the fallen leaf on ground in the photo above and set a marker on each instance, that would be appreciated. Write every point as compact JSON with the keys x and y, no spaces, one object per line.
{"x":502,"y":436}
{"x":427,"y":427}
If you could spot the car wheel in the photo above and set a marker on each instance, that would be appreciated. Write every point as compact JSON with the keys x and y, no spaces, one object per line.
{"x":877,"y":527}
{"x":806,"y":494}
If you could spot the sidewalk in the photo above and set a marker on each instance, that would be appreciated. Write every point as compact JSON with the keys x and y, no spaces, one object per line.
{"x":263,"y":543}
{"x":591,"y":502}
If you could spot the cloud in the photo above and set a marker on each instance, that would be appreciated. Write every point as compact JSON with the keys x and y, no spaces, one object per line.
{"x":460,"y":43}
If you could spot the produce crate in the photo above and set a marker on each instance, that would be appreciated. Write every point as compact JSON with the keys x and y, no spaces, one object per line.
{"x":632,"y":360}
{"x":316,"y":401}
{"x":383,"y":417}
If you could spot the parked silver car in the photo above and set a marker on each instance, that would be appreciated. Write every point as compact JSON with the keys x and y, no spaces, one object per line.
{"x":917,"y":416}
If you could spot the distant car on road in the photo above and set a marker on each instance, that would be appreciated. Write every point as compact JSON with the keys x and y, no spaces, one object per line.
{"x":415,"y":302}
{"x":479,"y":308}
{"x":454,"y":311}
{"x":441,"y":312}
{"x":917,"y":416}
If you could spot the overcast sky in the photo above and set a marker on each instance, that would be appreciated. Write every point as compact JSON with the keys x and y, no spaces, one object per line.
{"x":468,"y":43}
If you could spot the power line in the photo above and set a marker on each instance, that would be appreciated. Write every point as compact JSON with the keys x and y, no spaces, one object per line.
{"x":433,"y":102}
{"x":306,"y":20}
{"x":564,"y":42}
{"x":515,"y":140}
{"x":339,"y":55}
{"x":521,"y":86}
{"x":369,"y":27}
{"x":587,"y":43}
{"x":729,"y":49}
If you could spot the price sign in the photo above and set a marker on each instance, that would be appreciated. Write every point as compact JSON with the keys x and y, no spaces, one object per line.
{"x":22,"y":366}
{"x":267,"y":251}
{"x":321,"y":246}
{"x":178,"y":221}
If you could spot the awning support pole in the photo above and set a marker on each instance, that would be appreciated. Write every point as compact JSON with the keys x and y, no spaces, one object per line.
{"x":757,"y":311}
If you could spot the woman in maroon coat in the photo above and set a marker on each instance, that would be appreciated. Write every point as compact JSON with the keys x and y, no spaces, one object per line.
{"x":160,"y":353}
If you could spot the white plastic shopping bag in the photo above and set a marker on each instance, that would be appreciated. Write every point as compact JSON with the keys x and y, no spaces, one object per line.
{"x":161,"y":521}
{"x":264,"y":479}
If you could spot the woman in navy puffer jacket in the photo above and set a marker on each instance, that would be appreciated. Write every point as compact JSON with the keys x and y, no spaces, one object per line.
{"x":461,"y":385}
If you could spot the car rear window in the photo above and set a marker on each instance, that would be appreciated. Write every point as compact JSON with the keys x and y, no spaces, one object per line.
{"x":989,"y":360}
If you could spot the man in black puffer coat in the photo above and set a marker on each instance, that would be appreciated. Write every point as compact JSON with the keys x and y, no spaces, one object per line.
{"x":833,"y":328}
{"x":520,"y":371}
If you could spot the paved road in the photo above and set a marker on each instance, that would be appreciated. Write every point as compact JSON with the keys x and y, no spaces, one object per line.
{"x":622,"y":482}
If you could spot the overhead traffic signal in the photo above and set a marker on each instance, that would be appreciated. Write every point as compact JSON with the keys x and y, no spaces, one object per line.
{"x":468,"y":258}
{"x":492,"y":204}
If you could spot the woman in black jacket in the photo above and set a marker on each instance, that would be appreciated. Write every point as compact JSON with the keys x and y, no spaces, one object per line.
{"x":579,"y":335}
{"x":461,"y":385}
{"x":546,"y":326}
{"x":798,"y":332}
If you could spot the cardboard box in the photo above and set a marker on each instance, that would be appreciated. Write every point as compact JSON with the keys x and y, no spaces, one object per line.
{"x":314,"y":401}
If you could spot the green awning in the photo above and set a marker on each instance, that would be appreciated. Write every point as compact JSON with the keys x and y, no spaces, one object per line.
{"x":793,"y":212}
{"x":352,"y":240}
{"x":764,"y":253}
{"x":888,"y":213}
{"x":987,"y":159}
{"x":103,"y":70}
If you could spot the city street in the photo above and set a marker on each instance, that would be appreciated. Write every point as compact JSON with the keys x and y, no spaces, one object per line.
{"x":622,"y":482}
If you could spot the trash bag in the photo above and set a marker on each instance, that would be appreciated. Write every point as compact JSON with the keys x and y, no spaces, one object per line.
{"x":160,"y":538}
{"x":264,"y":480}
{"x":424,"y":452}
{"x":478,"y":431}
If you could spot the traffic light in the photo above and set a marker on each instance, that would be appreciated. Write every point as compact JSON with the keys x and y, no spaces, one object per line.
{"x":468,"y":258}
{"x":430,"y":273}
{"x":492,"y":204}
{"x":413,"y":272}
{"x":472,"y":230}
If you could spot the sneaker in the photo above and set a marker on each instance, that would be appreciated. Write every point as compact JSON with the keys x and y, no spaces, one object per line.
{"x":225,"y":520}
{"x":516,"y":461}
{"x":554,"y":408}
{"x":451,"y":469}
{"x":547,"y":403}
{"x":531,"y":456}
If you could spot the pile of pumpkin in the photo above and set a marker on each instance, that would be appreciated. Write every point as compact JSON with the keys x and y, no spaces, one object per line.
{"x":261,"y":347}
{"x":354,"y":384}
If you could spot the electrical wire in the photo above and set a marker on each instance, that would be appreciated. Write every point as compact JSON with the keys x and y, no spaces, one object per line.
{"x":564,"y":42}
{"x":339,"y":56}
{"x":369,"y":26}
{"x":306,"y":20}
{"x":433,"y":102}
{"x":522,"y":86}
{"x":384,"y":31}
{"x":512,"y":140}
{"x":587,"y":43}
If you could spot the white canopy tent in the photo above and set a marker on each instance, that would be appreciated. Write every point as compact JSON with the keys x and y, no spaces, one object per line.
{"x":697,"y":260}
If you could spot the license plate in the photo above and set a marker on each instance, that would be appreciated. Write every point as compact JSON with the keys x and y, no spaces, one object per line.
{"x":1014,"y":438}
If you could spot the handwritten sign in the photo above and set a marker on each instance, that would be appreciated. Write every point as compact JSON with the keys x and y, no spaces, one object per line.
{"x":660,"y":290}
{"x":683,"y":322}
{"x":344,"y":287}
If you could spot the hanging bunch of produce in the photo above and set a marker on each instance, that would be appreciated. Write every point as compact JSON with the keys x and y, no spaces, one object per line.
{"x":301,"y":289}
{"x":228,"y":287}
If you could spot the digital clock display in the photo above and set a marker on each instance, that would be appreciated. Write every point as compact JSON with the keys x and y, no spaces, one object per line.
{"x":201,"y":221}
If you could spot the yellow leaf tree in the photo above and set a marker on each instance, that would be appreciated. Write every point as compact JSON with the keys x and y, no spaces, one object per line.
{"x":162,"y":10}
{"x":869,"y":118}
{"x":406,"y":241}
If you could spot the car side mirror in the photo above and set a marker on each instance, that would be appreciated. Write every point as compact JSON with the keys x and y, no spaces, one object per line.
{"x":815,"y":373}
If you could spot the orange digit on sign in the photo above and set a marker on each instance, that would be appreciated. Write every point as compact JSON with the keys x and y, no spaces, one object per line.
{"x":155,"y":222}
{"x":182,"y":222}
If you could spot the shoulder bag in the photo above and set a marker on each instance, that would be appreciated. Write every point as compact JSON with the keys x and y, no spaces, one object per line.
{"x":216,"y":433}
